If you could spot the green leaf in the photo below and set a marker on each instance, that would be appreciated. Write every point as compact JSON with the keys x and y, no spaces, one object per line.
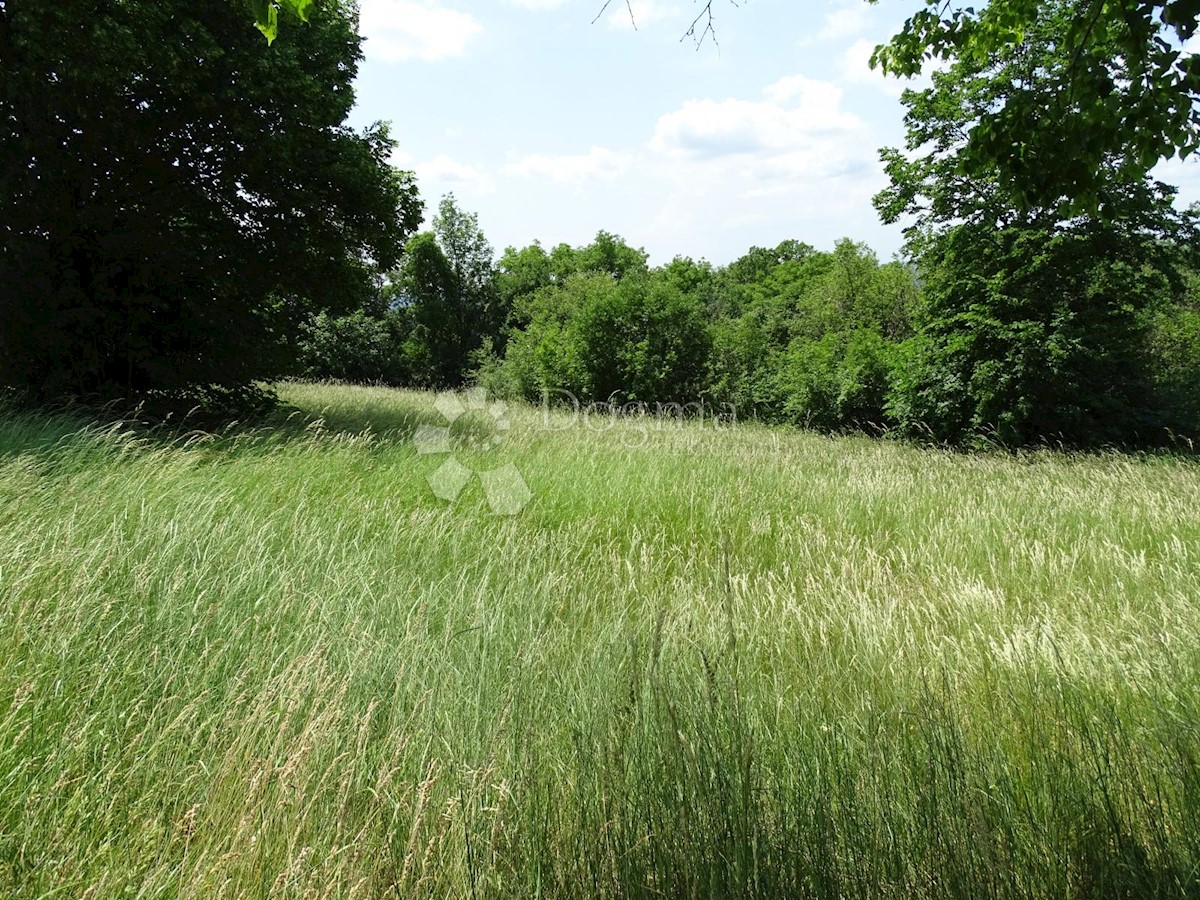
{"x":266,"y":18}
{"x":299,"y":8}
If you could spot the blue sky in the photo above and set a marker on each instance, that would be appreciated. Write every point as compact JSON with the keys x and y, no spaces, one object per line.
{"x":551,"y":127}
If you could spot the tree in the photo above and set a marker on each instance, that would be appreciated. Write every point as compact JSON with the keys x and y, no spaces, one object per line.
{"x":359,"y":348}
{"x":1120,"y":86}
{"x":524,"y":272}
{"x":472,"y":263}
{"x":521,"y":272}
{"x":609,"y":254}
{"x":810,"y":338}
{"x":176,"y":201}
{"x":448,"y":278}
{"x":1033,"y":319}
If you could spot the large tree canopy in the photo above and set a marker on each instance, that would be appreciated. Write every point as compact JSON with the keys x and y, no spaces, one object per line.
{"x":1033,"y":322}
{"x":1120,"y":86}
{"x":174,"y":198}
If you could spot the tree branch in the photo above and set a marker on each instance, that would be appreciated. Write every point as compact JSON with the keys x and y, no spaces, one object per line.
{"x":701,"y":29}
{"x":608,"y":3}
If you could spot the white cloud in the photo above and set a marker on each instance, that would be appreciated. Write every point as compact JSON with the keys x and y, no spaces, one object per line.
{"x":442,"y":173}
{"x":845,"y":19}
{"x":596,"y":165}
{"x":446,"y":169}
{"x":538,"y":4}
{"x":786,"y":164}
{"x":800,"y":126}
{"x":398,"y":30}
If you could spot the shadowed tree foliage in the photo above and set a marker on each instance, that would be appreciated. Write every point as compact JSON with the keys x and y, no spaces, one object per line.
{"x":1034,"y":320}
{"x":175,"y":198}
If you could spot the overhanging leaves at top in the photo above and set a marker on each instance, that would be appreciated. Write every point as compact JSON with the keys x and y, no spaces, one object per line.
{"x":1122,"y":86}
{"x":266,"y":14}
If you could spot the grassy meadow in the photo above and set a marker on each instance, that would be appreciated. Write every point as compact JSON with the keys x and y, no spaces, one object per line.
{"x":702,"y":662}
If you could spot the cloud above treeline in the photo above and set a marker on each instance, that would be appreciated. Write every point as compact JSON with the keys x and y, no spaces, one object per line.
{"x":402,"y":30}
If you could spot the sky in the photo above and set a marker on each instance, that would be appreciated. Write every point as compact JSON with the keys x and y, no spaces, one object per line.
{"x":552,"y":120}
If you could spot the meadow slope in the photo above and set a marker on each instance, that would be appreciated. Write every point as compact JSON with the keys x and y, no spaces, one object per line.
{"x":701,"y":662}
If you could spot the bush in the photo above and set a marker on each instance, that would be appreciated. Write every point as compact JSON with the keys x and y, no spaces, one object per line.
{"x":741,"y":363}
{"x":840,"y":382}
{"x":640,"y":338}
{"x":1030,"y":334}
{"x":1175,"y":346}
{"x":357,"y":348}
{"x":645,"y":341}
{"x":816,"y":340}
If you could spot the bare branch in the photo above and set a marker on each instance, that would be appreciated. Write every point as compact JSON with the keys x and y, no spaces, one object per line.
{"x":608,"y":3}
{"x":709,"y":30}
{"x":701,"y":29}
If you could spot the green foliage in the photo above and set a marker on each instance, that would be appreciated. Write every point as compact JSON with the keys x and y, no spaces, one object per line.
{"x":816,"y":339}
{"x":637,"y":339}
{"x":757,"y":304}
{"x":522,"y":272}
{"x":643,"y":340}
{"x":177,"y":200}
{"x":448,"y":283}
{"x":1175,"y":351}
{"x":547,"y":354}
{"x":266,"y":14}
{"x":741,"y":365}
{"x":1033,"y":323}
{"x":1118,"y":85}
{"x":610,"y":255}
{"x":358,"y":348}
{"x":788,"y":334}
{"x":840,"y":381}
{"x":1030,"y":334}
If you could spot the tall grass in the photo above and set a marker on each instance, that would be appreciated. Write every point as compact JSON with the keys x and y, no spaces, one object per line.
{"x":701,"y":663}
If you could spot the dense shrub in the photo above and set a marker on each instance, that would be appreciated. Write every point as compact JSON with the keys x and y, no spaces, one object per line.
{"x":741,"y":364}
{"x":841,"y":381}
{"x":644,"y":340}
{"x":1080,"y":333}
{"x":1031,"y":335}
{"x":816,"y":339}
{"x":357,"y":348}
{"x":1175,"y":351}
{"x":640,"y":339}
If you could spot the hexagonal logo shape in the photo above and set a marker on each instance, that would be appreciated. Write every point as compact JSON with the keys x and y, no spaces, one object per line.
{"x":505,"y":489}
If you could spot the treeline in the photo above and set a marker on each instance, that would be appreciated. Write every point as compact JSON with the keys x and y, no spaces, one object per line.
{"x":185,"y":216}
{"x":1034,"y":304}
{"x":1085,"y":340}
